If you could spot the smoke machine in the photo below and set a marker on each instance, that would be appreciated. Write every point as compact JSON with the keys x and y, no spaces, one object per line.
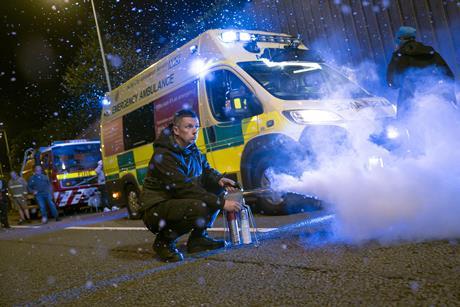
{"x":238,"y":224}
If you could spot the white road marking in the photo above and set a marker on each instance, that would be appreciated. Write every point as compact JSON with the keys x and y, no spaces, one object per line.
{"x":215,"y":229}
{"x":145,"y":228}
{"x":23,"y":226}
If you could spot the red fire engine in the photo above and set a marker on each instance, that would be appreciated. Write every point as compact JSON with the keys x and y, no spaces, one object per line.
{"x":70,"y":165}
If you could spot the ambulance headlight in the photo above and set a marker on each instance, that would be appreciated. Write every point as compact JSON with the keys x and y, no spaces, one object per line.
{"x":228,"y":36}
{"x":392,"y":132}
{"x":312,"y":116}
{"x":116,"y":195}
{"x":245,"y":37}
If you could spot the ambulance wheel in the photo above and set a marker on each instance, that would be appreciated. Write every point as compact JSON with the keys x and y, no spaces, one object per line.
{"x":271,"y":203}
{"x":280,"y":203}
{"x":133,"y":202}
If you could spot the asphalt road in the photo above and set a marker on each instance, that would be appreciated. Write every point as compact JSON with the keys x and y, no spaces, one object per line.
{"x":106,"y":259}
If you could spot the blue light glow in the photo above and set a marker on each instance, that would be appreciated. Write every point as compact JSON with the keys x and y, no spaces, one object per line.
{"x":106,"y":101}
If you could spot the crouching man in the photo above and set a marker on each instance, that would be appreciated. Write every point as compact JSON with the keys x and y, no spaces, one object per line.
{"x":181,"y":191}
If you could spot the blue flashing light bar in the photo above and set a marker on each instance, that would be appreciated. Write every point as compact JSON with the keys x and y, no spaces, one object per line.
{"x":235,"y":36}
{"x":106,"y":101}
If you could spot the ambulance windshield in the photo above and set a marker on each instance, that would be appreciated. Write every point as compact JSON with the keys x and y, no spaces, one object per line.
{"x":302,"y":80}
{"x":71,"y":158}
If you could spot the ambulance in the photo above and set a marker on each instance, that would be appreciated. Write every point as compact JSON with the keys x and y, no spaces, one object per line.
{"x":260,"y":97}
{"x":70,"y":166}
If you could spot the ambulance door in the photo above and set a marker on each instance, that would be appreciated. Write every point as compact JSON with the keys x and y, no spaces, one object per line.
{"x":235,"y":110}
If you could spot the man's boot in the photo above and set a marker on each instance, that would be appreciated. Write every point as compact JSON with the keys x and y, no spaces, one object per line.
{"x":200,"y":242}
{"x":166,"y":249}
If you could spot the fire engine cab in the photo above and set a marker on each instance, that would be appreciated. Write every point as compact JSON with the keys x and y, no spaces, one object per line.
{"x":70,"y":165}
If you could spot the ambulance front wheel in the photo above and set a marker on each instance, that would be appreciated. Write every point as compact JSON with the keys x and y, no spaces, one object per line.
{"x":270,"y":203}
{"x":133,"y":202}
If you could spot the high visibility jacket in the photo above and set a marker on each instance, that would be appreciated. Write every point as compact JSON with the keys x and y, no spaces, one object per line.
{"x":18,"y":187}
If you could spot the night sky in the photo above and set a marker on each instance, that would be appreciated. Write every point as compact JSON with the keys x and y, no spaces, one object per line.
{"x":40,"y":38}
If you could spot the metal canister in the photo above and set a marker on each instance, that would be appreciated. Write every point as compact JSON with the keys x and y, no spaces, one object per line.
{"x":232,"y":219}
{"x":245,"y":228}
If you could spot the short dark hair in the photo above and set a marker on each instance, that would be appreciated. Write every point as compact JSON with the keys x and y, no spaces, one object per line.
{"x":183,"y":113}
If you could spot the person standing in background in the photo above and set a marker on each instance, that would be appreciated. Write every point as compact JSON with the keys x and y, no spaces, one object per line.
{"x":40,"y":186}
{"x":101,"y":182}
{"x":3,"y":205}
{"x":415,"y":67}
{"x":17,"y":187}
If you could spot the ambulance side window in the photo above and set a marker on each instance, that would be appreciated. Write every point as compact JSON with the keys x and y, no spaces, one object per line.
{"x":138,"y":127}
{"x":229,"y":98}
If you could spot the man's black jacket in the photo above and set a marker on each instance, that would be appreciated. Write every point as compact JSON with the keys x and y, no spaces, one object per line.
{"x":179,"y":173}
{"x":414,"y":55}
{"x":415,"y":66}
{"x":3,"y":196}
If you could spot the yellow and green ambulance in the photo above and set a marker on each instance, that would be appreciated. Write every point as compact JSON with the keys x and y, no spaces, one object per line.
{"x":260,"y":97}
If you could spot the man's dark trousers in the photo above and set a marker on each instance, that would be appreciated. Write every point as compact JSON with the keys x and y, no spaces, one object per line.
{"x":4,"y":213}
{"x":175,"y":217}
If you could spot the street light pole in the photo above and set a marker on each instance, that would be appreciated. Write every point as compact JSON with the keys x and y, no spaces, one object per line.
{"x":101,"y":47}
{"x":3,"y":131}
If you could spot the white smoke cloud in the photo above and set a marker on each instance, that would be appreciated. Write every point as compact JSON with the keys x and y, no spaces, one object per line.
{"x":414,"y":196}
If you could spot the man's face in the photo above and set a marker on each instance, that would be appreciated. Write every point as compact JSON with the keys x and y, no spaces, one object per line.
{"x":38,"y":170}
{"x":186,"y":131}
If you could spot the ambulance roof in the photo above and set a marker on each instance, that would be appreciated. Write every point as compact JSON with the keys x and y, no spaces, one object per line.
{"x":192,"y":59}
{"x":211,"y":45}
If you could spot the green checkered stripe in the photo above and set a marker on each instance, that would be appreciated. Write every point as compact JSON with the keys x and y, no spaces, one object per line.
{"x":224,"y":137}
{"x":126,"y":163}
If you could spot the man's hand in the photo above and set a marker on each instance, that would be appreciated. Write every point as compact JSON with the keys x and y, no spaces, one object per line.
{"x":228,"y":184}
{"x":232,"y":206}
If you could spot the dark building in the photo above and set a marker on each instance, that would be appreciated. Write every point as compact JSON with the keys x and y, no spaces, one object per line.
{"x":354,"y":30}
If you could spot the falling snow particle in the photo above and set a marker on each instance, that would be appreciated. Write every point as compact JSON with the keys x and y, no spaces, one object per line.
{"x":346,"y":9}
{"x":200,"y":222}
{"x":51,"y":280}
{"x":414,"y":286}
{"x":201,"y":281}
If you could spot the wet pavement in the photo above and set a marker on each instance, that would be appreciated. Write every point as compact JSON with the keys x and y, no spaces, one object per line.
{"x":106,"y":259}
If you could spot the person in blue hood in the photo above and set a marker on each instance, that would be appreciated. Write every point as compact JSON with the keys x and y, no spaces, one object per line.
{"x":181,"y":192}
{"x":415,"y":67}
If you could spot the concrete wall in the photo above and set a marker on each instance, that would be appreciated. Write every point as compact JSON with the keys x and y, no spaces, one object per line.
{"x":351,"y":31}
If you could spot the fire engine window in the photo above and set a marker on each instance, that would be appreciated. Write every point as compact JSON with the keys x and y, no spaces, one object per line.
{"x":76,"y":157}
{"x":46,"y":160}
{"x":138,"y":127}
{"x":229,"y":98}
